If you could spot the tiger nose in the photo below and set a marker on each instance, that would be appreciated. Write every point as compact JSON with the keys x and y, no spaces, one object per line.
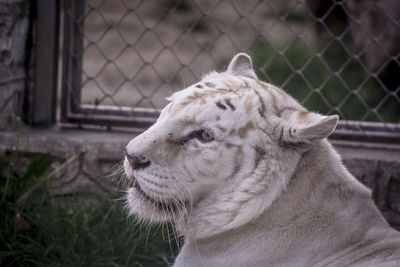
{"x":137,"y":162}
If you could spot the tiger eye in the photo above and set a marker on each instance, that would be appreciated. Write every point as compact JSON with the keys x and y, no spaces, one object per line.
{"x":203,"y":135}
{"x":206,"y":136}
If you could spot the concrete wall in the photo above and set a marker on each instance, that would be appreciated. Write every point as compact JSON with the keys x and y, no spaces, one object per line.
{"x":90,"y":174}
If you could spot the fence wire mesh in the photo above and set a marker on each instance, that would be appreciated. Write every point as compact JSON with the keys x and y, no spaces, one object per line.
{"x":333,"y":56}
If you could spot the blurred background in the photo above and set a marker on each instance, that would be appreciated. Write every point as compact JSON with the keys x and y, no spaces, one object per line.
{"x":79,"y":79}
{"x":333,"y":56}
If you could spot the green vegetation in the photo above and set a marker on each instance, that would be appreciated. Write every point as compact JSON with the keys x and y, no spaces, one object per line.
{"x":324,"y":79}
{"x":177,"y":5}
{"x":196,"y":25}
{"x":38,"y":230}
{"x":292,"y":15}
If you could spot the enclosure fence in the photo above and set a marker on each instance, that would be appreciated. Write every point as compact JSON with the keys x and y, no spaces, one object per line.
{"x":121,"y":59}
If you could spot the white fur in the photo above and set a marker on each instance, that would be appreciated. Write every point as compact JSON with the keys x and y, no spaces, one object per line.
{"x":269,"y":190}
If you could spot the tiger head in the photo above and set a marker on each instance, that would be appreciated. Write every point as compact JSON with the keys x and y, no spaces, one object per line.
{"x":220,"y":153}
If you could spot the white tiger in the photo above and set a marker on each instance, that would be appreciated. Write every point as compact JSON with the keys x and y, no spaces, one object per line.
{"x":249,"y":179}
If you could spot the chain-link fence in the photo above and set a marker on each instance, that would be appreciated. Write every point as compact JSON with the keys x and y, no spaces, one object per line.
{"x":123,"y":58}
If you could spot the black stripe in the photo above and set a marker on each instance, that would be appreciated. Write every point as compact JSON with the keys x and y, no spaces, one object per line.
{"x":221,"y":106}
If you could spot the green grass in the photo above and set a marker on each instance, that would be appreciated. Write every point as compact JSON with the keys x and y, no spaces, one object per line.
{"x":79,"y":234}
{"x":38,"y":230}
{"x":329,"y":83}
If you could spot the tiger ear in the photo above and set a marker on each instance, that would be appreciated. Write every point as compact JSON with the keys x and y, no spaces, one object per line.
{"x":306,"y":127}
{"x":241,"y":65}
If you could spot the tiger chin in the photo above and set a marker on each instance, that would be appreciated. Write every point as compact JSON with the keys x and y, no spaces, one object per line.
{"x":248,"y":177}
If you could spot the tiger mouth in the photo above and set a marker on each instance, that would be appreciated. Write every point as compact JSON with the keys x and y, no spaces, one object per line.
{"x":169,"y":206}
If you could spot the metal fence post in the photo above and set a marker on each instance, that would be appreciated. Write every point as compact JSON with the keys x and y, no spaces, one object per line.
{"x":72,"y":57}
{"x":43,"y":98}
